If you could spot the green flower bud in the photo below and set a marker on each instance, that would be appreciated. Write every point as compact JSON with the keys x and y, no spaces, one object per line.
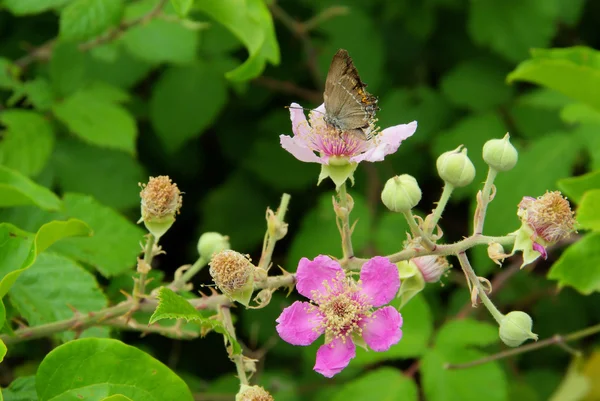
{"x":456,"y":168}
{"x":253,"y":393}
{"x":431,"y":267}
{"x":401,"y":193}
{"x":161,"y":201}
{"x":211,"y":243}
{"x":500,"y":154}
{"x":515,"y":329}
{"x":233,"y":273}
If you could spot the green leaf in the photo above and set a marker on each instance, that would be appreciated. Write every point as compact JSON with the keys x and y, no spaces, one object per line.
{"x":26,"y":7}
{"x":105,"y":170}
{"x":20,"y":248}
{"x":122,"y":70}
{"x":390,"y":233}
{"x":98,"y":121}
{"x":182,"y":7}
{"x":111,"y":232}
{"x":512,"y":27}
{"x":464,"y":333}
{"x":252,"y":24}
{"x":85,"y":369}
{"x":16,"y":190}
{"x":318,"y":233}
{"x":21,"y":389}
{"x":67,"y":68}
{"x":573,"y":71}
{"x":576,"y":187}
{"x":83,"y":19}
{"x":577,"y":267}
{"x":3,"y":350}
{"x":27,"y":141}
{"x":185,"y":102}
{"x":39,"y":93}
{"x":8,"y":74}
{"x":588,"y":212}
{"x":117,"y":397}
{"x":384,"y":384}
{"x":52,"y":288}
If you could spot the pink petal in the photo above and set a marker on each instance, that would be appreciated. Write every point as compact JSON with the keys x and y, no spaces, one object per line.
{"x":299,"y":149}
{"x":332,"y":358}
{"x":387,"y":142}
{"x":382,"y":329}
{"x":316,"y":118}
{"x":540,"y":249}
{"x":300,"y":126}
{"x":298,"y":324}
{"x":380,"y":280}
{"x":311,"y":275}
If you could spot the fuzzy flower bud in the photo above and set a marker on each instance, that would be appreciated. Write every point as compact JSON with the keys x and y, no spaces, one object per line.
{"x":233,"y":273}
{"x":211,"y":243}
{"x":161,"y":201}
{"x":431,"y":267}
{"x":401,"y":193}
{"x":253,"y":393}
{"x":515,"y":329}
{"x":500,"y":154}
{"x":455,"y":167}
{"x":496,"y":253}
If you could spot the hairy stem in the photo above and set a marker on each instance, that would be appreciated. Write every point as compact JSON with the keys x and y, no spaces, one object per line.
{"x":273,"y":233}
{"x":345,"y":218}
{"x":237,"y":359}
{"x":198,"y":265}
{"x":483,"y":199}
{"x":140,"y":287}
{"x":417,"y":232}
{"x":439,"y":209}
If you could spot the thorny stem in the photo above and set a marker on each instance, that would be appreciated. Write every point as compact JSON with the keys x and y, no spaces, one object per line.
{"x":345,"y":218}
{"x":439,"y":209}
{"x":417,"y":232}
{"x":140,"y":287}
{"x":237,"y":359}
{"x":483,"y":199}
{"x":470,"y":273}
{"x":556,"y":339}
{"x":198,"y":265}
{"x":272,"y":234}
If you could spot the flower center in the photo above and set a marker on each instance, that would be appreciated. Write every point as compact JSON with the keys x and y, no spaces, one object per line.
{"x":329,"y":141}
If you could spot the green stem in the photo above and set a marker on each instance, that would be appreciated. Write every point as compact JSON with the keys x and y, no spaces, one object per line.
{"x":482,"y":203}
{"x":439,"y":209}
{"x":346,"y":233}
{"x":556,"y":339}
{"x":139,"y":292}
{"x":417,"y":232}
{"x":466,"y":266}
{"x":272,"y":235}
{"x":237,"y":359}
{"x":198,"y":265}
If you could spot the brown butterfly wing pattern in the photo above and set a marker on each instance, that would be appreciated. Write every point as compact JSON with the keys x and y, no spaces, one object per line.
{"x":348,"y":106}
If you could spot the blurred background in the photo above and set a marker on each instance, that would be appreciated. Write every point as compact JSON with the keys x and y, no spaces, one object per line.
{"x":158,"y":102}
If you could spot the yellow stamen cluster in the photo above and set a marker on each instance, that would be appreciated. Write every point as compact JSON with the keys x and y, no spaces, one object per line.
{"x":160,"y":198}
{"x":550,"y":216}
{"x":230,"y":270}
{"x":254,"y":393}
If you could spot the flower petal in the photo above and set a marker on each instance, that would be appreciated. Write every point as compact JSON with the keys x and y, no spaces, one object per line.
{"x":316,"y":117}
{"x":332,"y":358}
{"x":299,"y":149}
{"x":298,"y":324}
{"x":382,"y":329}
{"x":311,"y":275}
{"x":540,"y":249}
{"x":387,"y":142}
{"x":380,"y":280}
{"x":300,"y":126}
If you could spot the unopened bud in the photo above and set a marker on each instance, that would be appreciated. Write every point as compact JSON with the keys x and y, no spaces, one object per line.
{"x":455,"y":167}
{"x":211,"y":243}
{"x":277,"y":228}
{"x":253,"y":393}
{"x":515,"y":329}
{"x":496,"y":253}
{"x":500,"y":154}
{"x":233,"y":273}
{"x":431,"y":267}
{"x":401,"y":193}
{"x":161,"y":201}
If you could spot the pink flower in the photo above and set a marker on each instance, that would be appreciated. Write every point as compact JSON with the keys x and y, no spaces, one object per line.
{"x":315,"y":136}
{"x":343,"y":309}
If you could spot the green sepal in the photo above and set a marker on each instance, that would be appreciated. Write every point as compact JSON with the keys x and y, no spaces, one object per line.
{"x":412,"y":281}
{"x":159,"y":226}
{"x":359,"y":341}
{"x":244,"y":294}
{"x":524,"y":243}
{"x":339,"y":170}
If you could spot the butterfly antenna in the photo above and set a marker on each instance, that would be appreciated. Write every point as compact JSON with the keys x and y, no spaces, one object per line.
{"x":303,"y":108}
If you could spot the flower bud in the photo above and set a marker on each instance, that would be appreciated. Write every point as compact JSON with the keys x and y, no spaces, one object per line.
{"x":211,"y":243}
{"x":401,"y":193}
{"x":161,"y":201}
{"x":253,"y":393}
{"x":233,"y":273}
{"x":500,"y":154}
{"x":515,"y":328}
{"x":431,"y":267}
{"x":456,"y":168}
{"x":496,"y":253}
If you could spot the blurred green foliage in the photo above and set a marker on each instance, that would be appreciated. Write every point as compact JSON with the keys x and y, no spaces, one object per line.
{"x":95,"y":95}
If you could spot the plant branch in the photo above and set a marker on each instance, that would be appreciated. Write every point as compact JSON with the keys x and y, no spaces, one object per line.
{"x":239,"y":358}
{"x":439,"y":209}
{"x":144,"y":267}
{"x":198,"y":265}
{"x":556,"y":339}
{"x":346,"y":232}
{"x":289,"y":88}
{"x":276,"y":229}
{"x":483,"y":200}
{"x":417,"y":232}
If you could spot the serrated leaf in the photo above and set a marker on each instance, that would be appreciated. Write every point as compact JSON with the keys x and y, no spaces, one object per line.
{"x":27,"y":141}
{"x":26,"y":7}
{"x":577,"y":267}
{"x":115,"y":244}
{"x":180,"y":107}
{"x":98,"y":121}
{"x":83,"y":19}
{"x":86,"y":368}
{"x":573,"y":71}
{"x":21,"y":389}
{"x":383,"y":384}
{"x":588,"y":212}
{"x":17,"y":190}
{"x":182,"y":7}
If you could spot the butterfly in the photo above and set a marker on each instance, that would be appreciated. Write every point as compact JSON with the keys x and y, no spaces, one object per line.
{"x":348,"y":106}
